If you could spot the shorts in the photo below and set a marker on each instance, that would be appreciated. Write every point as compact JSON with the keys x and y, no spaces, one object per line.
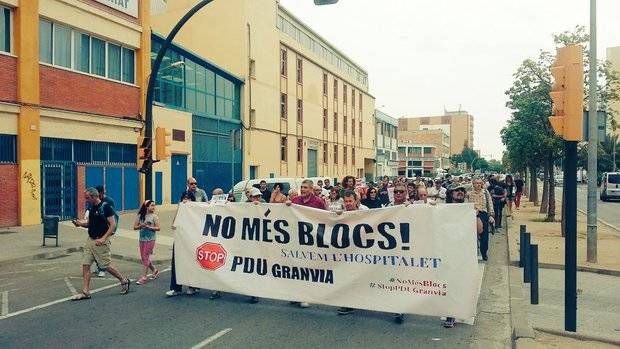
{"x":93,"y":253}
{"x":146,"y":250}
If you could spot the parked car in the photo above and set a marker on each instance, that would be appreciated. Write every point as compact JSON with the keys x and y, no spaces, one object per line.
{"x":559,"y":179}
{"x":610,"y":186}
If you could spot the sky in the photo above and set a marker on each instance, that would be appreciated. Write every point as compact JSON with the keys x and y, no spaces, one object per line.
{"x":426,"y":55}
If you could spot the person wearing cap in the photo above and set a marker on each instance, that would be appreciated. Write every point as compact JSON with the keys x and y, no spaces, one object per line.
{"x":256,"y":196}
{"x":437,"y":192}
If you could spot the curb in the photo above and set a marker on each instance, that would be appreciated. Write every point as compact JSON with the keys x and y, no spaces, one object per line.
{"x":579,"y":336}
{"x":600,"y":220}
{"x":579,"y":268}
{"x":51,"y":255}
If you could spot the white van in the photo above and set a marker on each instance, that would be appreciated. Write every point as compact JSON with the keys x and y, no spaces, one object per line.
{"x":610,"y":186}
{"x":287,"y":184}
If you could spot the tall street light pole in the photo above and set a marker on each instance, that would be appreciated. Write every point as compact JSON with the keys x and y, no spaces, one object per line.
{"x":148,"y":117}
{"x":592,"y":142}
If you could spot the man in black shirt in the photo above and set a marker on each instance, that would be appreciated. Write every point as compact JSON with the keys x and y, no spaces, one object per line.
{"x":100,"y":226}
{"x":264,"y":191}
{"x":384,"y":196}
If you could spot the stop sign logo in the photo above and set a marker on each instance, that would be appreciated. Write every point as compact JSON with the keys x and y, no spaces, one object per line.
{"x":211,"y":256}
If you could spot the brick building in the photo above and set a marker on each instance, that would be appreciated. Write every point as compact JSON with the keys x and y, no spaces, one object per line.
{"x":71,"y":86}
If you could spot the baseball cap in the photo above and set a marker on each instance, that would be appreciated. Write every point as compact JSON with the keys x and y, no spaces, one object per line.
{"x":255,"y":192}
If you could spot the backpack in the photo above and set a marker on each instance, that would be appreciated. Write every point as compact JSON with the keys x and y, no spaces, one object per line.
{"x":116,"y":217}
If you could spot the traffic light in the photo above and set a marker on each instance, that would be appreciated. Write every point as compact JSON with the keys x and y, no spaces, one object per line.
{"x":162,"y":143}
{"x":567,"y":93}
{"x":144,"y":161}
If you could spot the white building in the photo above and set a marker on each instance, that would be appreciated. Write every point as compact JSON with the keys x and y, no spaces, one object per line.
{"x":387,"y":144}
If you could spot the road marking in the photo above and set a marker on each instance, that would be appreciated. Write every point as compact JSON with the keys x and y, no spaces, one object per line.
{"x":5,"y":304}
{"x":45,"y":305}
{"x":602,"y":221}
{"x":211,"y":339}
{"x":70,"y":286}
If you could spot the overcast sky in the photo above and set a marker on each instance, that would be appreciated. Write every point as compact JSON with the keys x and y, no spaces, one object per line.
{"x":424,"y":55}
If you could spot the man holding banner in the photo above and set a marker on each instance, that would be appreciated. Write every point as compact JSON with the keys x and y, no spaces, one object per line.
{"x":416,"y":259}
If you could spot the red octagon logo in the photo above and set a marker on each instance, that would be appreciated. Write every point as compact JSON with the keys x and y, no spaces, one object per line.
{"x":211,"y":256}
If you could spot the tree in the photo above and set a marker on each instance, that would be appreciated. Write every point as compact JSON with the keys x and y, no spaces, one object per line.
{"x":468,"y":156}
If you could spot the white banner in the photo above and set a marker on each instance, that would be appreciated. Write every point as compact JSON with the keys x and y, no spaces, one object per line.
{"x":418,"y":259}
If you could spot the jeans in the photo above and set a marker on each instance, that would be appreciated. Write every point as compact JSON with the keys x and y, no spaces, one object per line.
{"x":484,"y":236}
{"x":498,"y":207}
{"x":173,"y":276}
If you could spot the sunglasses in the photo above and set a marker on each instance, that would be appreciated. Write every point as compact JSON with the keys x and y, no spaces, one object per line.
{"x":193,"y":183}
{"x":399,"y":191}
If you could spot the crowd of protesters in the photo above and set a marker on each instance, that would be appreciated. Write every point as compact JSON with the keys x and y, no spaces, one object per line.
{"x":489,"y":194}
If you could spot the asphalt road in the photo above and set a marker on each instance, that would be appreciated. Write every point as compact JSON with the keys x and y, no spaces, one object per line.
{"x":145,"y":318}
{"x":607,"y":211}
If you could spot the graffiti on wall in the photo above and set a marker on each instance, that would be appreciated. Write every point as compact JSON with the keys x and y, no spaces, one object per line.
{"x":29,"y":178}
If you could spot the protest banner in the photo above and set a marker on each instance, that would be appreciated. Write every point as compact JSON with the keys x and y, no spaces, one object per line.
{"x":419,"y":259}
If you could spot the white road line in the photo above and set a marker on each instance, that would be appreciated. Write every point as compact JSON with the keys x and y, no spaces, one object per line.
{"x":5,"y":304}
{"x":211,"y":339}
{"x":41,"y":306}
{"x":70,"y":286}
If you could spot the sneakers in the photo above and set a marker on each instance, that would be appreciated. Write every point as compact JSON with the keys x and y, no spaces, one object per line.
{"x":399,"y":318}
{"x":304,"y":304}
{"x":215,"y":295}
{"x":101,"y":274}
{"x":449,"y":322}
{"x":345,"y":311}
{"x":253,"y":300}
{"x":172,"y":293}
{"x":142,"y":280}
{"x":191,"y":290}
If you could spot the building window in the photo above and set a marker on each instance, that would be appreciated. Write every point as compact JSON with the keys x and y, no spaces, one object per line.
{"x":325,"y":153}
{"x":300,"y":110}
{"x":360,"y":130}
{"x":283,"y":108}
{"x":114,"y":61}
{"x":128,"y":65}
{"x":353,"y":98}
{"x":360,"y":100}
{"x":283,"y":149}
{"x":344,"y":154}
{"x":81,"y":52}
{"x":353,"y":156}
{"x":344,"y":124}
{"x":300,"y":149}
{"x":353,"y":127}
{"x":91,"y":55}
{"x":5,"y":29}
{"x":98,"y":57}
{"x":335,"y":153}
{"x":335,"y":89}
{"x":283,"y":55}
{"x":62,"y":46}
{"x":325,"y":84}
{"x":45,"y":41}
{"x":344,"y":94}
{"x":325,"y":118}
{"x":335,"y":122}
{"x":300,"y":71}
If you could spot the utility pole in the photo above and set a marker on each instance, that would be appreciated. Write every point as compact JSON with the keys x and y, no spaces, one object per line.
{"x":592,"y":142}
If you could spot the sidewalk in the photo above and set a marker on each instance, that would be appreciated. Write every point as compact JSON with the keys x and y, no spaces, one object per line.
{"x":25,"y":242}
{"x":598,"y":300}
